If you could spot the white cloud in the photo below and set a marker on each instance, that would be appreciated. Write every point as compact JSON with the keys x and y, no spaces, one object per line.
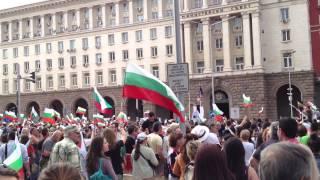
{"x":5,"y":4}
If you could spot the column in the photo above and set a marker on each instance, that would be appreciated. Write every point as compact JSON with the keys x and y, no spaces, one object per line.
{"x":204,"y":3}
{"x":246,"y":40}
{"x":42,"y":26}
{"x":54,"y":23}
{"x":145,"y":10}
{"x":1,"y":32}
{"x":206,"y":36}
{"x":130,"y":11}
{"x":90,"y":17}
{"x":160,"y":9}
{"x":226,"y":43}
{"x":31,"y":27}
{"x":186,"y":5}
{"x":188,"y":45}
{"x":78,"y":18}
{"x":256,"y":35}
{"x":224,"y":2}
{"x":20,"y":28}
{"x":10,"y":31}
{"x":103,"y":15}
{"x":117,"y":13}
{"x":66,"y":21}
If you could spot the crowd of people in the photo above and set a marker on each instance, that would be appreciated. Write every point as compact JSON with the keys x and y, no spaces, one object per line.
{"x":246,"y":149}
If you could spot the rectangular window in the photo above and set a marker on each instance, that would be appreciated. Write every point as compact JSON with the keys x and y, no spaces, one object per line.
{"x":169,"y":13}
{"x":4,"y":53}
{"x":287,"y":60}
{"x":49,"y":64}
{"x":239,"y":63}
{"x":74,"y":80}
{"x":26,"y":51}
{"x":155,"y":71}
{"x":124,"y":37}
{"x":15,"y":52}
{"x":140,"y":18}
{"x":219,"y":65}
{"x":73,"y":61}
{"x":154,"y":51}
{"x":61,"y":81}
{"x":111,"y":56}
{"x":85,"y":60}
{"x":5,"y":69}
{"x":86,"y":79}
{"x":200,"y":67}
{"x":168,"y":31}
{"x":237,"y":24}
{"x":48,"y":48}
{"x":285,"y":35}
{"x":61,"y":63}
{"x":37,"y":49}
{"x":197,"y":3}
{"x":111,"y":39}
{"x":37,"y":65}
{"x":15,"y":68}
{"x":284,"y":15}
{"x":27,"y":85}
{"x":153,"y":33}
{"x":219,"y":43}
{"x":238,"y":41}
{"x":5,"y":85}
{"x":49,"y":82}
{"x":200,"y":45}
{"x":169,"y":50}
{"x":85,"y":43}
{"x":98,"y":42}
{"x":72,"y":44}
{"x":26,"y":67}
{"x":60,"y":46}
{"x":154,"y":15}
{"x":139,"y":52}
{"x":98,"y":58}
{"x":38,"y":83}
{"x":139,"y":35}
{"x":113,"y":77}
{"x":125,"y":20}
{"x":99,"y":78}
{"x":125,"y":55}
{"x":199,"y":28}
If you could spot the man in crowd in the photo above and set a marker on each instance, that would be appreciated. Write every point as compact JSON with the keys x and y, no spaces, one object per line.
{"x":67,"y":149}
{"x":47,"y":147}
{"x":148,"y":124}
{"x":288,"y":129}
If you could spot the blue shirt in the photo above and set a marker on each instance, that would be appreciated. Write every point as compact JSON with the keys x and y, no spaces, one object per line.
{"x":10,"y":148}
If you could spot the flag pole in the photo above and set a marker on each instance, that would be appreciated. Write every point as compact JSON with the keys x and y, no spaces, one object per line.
{"x":189,"y":106}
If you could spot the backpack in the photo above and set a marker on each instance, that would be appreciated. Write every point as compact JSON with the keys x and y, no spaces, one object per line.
{"x":99,"y":174}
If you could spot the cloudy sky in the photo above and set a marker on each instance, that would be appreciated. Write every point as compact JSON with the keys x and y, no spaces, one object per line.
{"x":13,"y":3}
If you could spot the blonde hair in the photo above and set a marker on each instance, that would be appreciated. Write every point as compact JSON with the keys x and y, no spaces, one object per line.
{"x":192,"y":148}
{"x":245,"y":134}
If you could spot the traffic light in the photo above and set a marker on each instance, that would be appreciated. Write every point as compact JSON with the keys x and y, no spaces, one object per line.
{"x":33,"y":77}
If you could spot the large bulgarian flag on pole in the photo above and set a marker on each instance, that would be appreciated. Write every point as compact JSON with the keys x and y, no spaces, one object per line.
{"x":140,"y":84}
{"x":101,"y":104}
{"x":14,"y":161}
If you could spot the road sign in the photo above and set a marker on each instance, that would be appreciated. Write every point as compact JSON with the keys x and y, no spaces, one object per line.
{"x":178,"y":77}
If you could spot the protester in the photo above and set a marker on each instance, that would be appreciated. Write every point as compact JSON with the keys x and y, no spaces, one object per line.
{"x":60,"y":171}
{"x":248,"y":147}
{"x":173,"y":128}
{"x":129,"y":145}
{"x":204,"y":135}
{"x":191,"y":148}
{"x":47,"y":148}
{"x":175,"y":142}
{"x":287,"y":131}
{"x":67,"y":149}
{"x":148,"y":124}
{"x":155,"y":142}
{"x":34,"y":152}
{"x":287,"y":160}
{"x":313,"y":130}
{"x":8,"y":174}
{"x":96,"y":158}
{"x":314,"y":145}
{"x":211,"y":164}
{"x":144,"y":159}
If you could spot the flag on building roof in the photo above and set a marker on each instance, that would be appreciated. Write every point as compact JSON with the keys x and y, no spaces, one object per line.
{"x":246,"y":101}
{"x":101,"y":104}
{"x":48,"y":116}
{"x":81,"y":110}
{"x":34,"y":116}
{"x":14,"y":161}
{"x":140,"y":84}
{"x":9,"y":116}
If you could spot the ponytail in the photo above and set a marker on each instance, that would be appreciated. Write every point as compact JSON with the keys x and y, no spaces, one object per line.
{"x":137,"y":151}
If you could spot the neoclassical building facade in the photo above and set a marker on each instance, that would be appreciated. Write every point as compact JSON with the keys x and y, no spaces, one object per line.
{"x":234,"y":46}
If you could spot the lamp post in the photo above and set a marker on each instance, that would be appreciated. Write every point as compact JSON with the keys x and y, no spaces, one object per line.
{"x":290,"y":94}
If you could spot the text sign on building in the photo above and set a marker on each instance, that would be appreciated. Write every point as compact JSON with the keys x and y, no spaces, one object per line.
{"x":178,"y":77}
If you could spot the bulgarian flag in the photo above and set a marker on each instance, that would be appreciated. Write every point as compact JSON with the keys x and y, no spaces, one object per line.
{"x":140,"y":84}
{"x":122,"y":117}
{"x":98,"y":118}
{"x":48,"y":116}
{"x":34,"y":115}
{"x":217,"y":113}
{"x":101,"y":104}
{"x":1,"y":116}
{"x":14,"y":161}
{"x":246,"y":101}
{"x":9,"y":116}
{"x":81,"y":110}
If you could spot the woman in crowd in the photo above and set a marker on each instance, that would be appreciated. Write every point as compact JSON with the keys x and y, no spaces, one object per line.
{"x":60,"y":171}
{"x":175,"y":141}
{"x":236,"y":160}
{"x":211,"y":164}
{"x":143,"y":158}
{"x":115,"y":152}
{"x":191,"y":148}
{"x":96,"y":158}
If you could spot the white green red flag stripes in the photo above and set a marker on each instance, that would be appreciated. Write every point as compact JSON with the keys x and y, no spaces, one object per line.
{"x":216,"y":110}
{"x":48,"y":116}
{"x":122,"y":117}
{"x":34,"y":114}
{"x":98,"y":118}
{"x":101,"y":104}
{"x":14,"y":161}
{"x":140,"y":84}
{"x":9,"y":116}
{"x":81,"y":110}
{"x":246,"y":101}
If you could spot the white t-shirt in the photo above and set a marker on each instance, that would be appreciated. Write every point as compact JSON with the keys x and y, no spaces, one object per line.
{"x":249,"y":149}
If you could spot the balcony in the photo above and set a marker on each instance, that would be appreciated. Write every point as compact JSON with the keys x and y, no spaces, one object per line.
{"x":74,"y":28}
{"x":61,"y":29}
{"x":73,"y":50}
{"x":15,"y":37}
{"x":5,"y":38}
{"x":37,"y":34}
{"x":26,"y":35}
